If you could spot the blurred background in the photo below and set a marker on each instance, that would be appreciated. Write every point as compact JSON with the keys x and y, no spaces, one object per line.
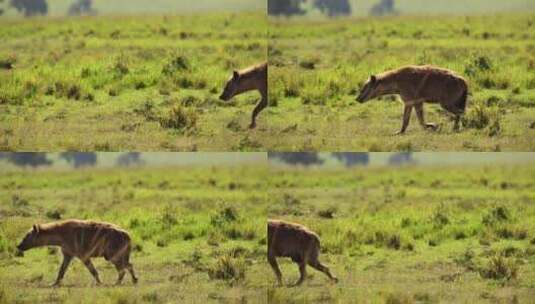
{"x":67,"y":160}
{"x":77,"y":160}
{"x":394,"y":7}
{"x":120,"y":7}
{"x":348,"y":159}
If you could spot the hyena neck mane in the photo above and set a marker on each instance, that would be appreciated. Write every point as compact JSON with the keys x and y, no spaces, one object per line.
{"x":48,"y":236}
{"x":247,"y":83}
{"x":388,"y":84}
{"x":250,"y":80}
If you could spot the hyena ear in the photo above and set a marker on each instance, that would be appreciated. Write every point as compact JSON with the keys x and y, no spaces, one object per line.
{"x":373,"y":78}
{"x":36,"y":228}
{"x":236,"y":75}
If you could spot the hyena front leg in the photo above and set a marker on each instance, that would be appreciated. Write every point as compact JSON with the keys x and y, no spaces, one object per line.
{"x":420,"y":113}
{"x":66,"y":261}
{"x":406,"y":119}
{"x":273,"y":262}
{"x":259,"y":107}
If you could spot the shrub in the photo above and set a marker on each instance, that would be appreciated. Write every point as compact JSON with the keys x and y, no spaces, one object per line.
{"x":54,"y":214}
{"x":228,"y":268}
{"x":226,"y":215}
{"x":68,"y":89}
{"x":394,"y":242}
{"x":314,"y":97}
{"x":308,"y":64}
{"x":8,"y":63}
{"x":236,"y":231}
{"x":398,"y":298}
{"x":120,"y":66}
{"x":440,"y":217}
{"x":466,"y":259}
{"x":234,"y":125}
{"x":327,"y":213}
{"x":177,"y":63}
{"x":151,"y":297}
{"x":146,"y":109}
{"x":275,"y":96}
{"x":500,"y":268}
{"x":478,"y":64}
{"x":494,"y":82}
{"x":179,"y":118}
{"x":169,"y":216}
{"x":481,"y":116}
{"x":292,"y":85}
{"x":189,"y":100}
{"x":496,"y":215}
{"x":5,"y":246}
{"x":11,"y":96}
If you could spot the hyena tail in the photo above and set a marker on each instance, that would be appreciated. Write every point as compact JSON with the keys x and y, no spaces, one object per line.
{"x":461,"y":103}
{"x":314,"y":248}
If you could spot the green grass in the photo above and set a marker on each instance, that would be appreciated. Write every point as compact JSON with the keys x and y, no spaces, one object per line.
{"x":127,"y":83}
{"x":198,"y":234}
{"x":318,"y":66}
{"x":411,"y":234}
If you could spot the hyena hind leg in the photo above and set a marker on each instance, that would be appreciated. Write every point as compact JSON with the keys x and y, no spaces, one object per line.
{"x":318,"y":266}
{"x":421,"y":118}
{"x":120,"y":276}
{"x":130,"y":268}
{"x":89,"y":265}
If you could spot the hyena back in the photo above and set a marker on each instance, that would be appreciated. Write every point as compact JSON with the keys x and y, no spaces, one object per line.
{"x":84,"y":240}
{"x":298,"y":243}
{"x":250,"y":79}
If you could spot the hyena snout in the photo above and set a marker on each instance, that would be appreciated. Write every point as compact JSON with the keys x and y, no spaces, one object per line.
{"x":19,"y":252}
{"x":223,"y":97}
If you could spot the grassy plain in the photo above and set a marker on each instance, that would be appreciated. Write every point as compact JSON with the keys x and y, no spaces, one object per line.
{"x":431,"y":234}
{"x":144,"y":83}
{"x":318,"y":66}
{"x":199,"y":234}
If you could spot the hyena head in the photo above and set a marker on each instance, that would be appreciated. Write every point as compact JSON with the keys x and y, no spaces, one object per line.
{"x":232,"y":87}
{"x":30,"y":240}
{"x":370,"y":90}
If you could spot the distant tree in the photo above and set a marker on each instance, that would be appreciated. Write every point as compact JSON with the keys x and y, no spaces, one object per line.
{"x":25,"y":159}
{"x":402,"y":158}
{"x":30,"y":7}
{"x":333,"y":7}
{"x":298,"y":158}
{"x":285,"y":7}
{"x":383,"y":8}
{"x":129,"y":159}
{"x":352,"y":159}
{"x":78,"y":159}
{"x":82,"y":7}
